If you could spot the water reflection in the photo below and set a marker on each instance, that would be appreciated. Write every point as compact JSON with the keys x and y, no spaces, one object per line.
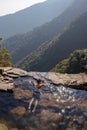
{"x":61,"y":93}
{"x":68,"y":94}
{"x":66,"y":109}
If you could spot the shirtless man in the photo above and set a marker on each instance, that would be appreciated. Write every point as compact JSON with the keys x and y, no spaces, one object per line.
{"x":36,"y":94}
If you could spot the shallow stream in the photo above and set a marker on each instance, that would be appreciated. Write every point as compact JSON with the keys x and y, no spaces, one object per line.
{"x":68,"y":102}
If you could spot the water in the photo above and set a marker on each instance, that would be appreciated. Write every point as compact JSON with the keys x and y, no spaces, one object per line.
{"x":58,"y":91}
{"x":60,"y":108}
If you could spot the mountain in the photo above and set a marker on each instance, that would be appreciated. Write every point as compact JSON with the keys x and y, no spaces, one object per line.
{"x":31,"y":17}
{"x":49,"y":54}
{"x":20,"y":46}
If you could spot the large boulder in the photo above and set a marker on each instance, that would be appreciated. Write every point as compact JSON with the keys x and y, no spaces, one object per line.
{"x":13,"y":72}
{"x":68,"y":79}
{"x":7,"y":75}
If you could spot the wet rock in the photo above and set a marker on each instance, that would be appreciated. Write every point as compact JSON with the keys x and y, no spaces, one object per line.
{"x":3,"y":127}
{"x":1,"y":71}
{"x":78,"y":81}
{"x":18,"y":111}
{"x":6,"y":86}
{"x":6,"y":78}
{"x":13,"y":129}
{"x":20,"y":93}
{"x":1,"y":78}
{"x":68,"y":79}
{"x":47,"y":116}
{"x":13,"y":72}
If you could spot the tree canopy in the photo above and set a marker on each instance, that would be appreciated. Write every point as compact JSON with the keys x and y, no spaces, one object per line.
{"x":4,"y":57}
{"x":76,"y":63}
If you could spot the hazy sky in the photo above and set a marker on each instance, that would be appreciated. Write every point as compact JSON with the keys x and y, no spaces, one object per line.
{"x":11,"y":6}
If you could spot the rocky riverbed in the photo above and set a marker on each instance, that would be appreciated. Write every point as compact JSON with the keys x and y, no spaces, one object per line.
{"x":77,"y":81}
{"x":61,"y":106}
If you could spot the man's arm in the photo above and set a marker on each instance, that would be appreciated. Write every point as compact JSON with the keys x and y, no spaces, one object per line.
{"x":42,"y":85}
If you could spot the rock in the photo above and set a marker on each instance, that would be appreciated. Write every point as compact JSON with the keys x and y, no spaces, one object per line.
{"x":78,"y":81}
{"x":14,"y":72}
{"x":6,"y":83}
{"x":70,"y":80}
{"x":13,"y":129}
{"x":6,"y":86}
{"x":6,"y":80}
{"x":19,"y":93}
{"x":3,"y":127}
{"x":1,"y":78}
{"x":18,"y":111}
{"x":47,"y":116}
{"x":1,"y":71}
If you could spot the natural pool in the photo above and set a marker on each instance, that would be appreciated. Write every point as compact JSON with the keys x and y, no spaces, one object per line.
{"x":60,"y":108}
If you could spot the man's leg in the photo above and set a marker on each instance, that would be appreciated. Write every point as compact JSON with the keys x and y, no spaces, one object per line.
{"x":31,"y":101}
{"x":35,"y":105}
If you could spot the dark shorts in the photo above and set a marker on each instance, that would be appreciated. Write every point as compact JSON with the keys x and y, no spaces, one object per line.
{"x":36,"y":95}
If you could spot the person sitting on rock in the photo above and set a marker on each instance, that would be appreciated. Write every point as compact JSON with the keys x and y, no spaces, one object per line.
{"x":36,"y":94}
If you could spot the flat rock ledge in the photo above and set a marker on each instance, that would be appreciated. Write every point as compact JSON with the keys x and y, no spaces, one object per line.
{"x":77,"y":81}
{"x":7,"y":75}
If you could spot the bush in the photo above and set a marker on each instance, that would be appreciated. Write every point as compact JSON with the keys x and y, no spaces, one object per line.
{"x":76,"y":63}
{"x":4,"y":57}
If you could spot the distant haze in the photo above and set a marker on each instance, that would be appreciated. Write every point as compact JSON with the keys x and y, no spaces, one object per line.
{"x":11,"y":6}
{"x":29,"y":18}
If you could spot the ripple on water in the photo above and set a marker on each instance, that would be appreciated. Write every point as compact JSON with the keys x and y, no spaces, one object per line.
{"x":69,"y":94}
{"x":60,"y":92}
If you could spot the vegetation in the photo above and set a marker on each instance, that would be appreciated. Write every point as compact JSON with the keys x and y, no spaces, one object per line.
{"x":21,"y":46}
{"x":35,"y":61}
{"x":53,"y":51}
{"x":76,"y":63}
{"x":4,"y":57}
{"x":61,"y":67}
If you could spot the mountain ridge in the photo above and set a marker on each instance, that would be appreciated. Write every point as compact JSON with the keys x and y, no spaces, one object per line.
{"x":27,"y":19}
{"x":20,"y":46}
{"x":60,"y":47}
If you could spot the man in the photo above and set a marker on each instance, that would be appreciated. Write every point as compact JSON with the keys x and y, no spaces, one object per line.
{"x":36,"y":94}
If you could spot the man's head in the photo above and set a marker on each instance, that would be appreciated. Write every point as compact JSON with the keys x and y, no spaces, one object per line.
{"x":40,"y":81}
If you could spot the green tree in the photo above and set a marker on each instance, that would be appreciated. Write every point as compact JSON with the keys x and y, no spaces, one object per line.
{"x":76,"y":63}
{"x":62,"y":66}
{"x":4,"y":57}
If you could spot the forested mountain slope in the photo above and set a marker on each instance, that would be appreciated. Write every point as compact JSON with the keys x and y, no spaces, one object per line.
{"x":47,"y":56}
{"x":20,"y":46}
{"x":31,"y":17}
